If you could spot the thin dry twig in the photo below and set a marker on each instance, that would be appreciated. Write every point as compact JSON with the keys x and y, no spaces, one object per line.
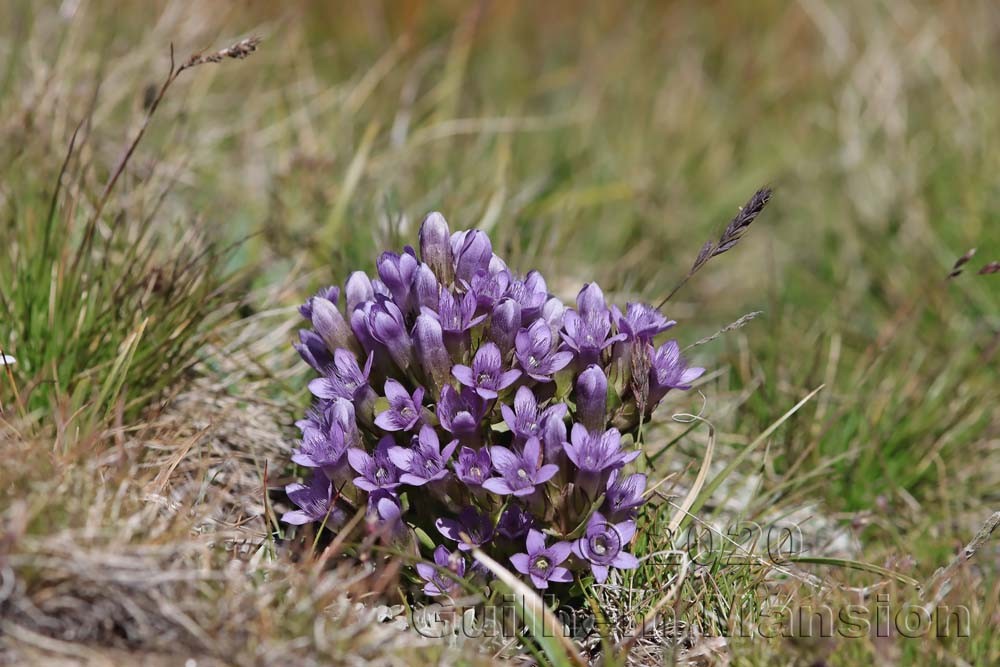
{"x":940,"y":582}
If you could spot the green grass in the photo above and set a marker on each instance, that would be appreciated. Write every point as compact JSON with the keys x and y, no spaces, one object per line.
{"x":593,"y":142}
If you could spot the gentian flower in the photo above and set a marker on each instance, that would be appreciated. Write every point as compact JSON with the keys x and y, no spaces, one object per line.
{"x":345,"y":378}
{"x":425,"y":461}
{"x":456,"y":314}
{"x":592,"y":398}
{"x":640,"y":321}
{"x":460,"y":413}
{"x":486,"y":375}
{"x":327,"y":293}
{"x":624,"y":495}
{"x":404,"y":412}
{"x":505,"y":322}
{"x":397,"y":273}
{"x":530,"y":293}
{"x":438,"y":583}
{"x":506,"y":368}
{"x":603,"y":546}
{"x":315,"y":501}
{"x":473,"y":255}
{"x":519,"y":473}
{"x":386,"y":324}
{"x":515,"y":522}
{"x":668,"y":370}
{"x":524,"y":419}
{"x":435,"y":247}
{"x":470,"y":530}
{"x":543,"y":564}
{"x":489,"y":287}
{"x":375,"y":472}
{"x":473,"y":467}
{"x":358,"y":290}
{"x":595,"y":455}
{"x":534,"y":352}
{"x":313,"y":351}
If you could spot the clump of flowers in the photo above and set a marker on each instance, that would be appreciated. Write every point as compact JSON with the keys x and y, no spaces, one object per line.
{"x":461,"y":400}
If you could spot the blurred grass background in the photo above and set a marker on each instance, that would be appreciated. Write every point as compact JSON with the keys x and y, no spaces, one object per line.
{"x":592,"y":140}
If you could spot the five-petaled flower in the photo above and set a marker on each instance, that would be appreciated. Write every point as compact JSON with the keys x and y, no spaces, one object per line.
{"x":404,"y":410}
{"x":425,"y":461}
{"x":603,"y":546}
{"x":543,"y":564}
{"x":519,"y":473}
{"x":486,"y":375}
{"x":439,"y":583}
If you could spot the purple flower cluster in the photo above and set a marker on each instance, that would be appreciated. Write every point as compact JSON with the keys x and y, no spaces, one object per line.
{"x":457,"y":398}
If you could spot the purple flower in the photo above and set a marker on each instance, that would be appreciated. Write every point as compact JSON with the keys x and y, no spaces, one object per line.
{"x":327,"y":293}
{"x":505,"y":322}
{"x":385,"y":514}
{"x":461,"y":413}
{"x":473,"y":467}
{"x":603,"y":546}
{"x":375,"y":472}
{"x":404,"y":411}
{"x":345,"y":378}
{"x":543,"y":564}
{"x":668,"y":370}
{"x":592,"y":398}
{"x":315,"y":502}
{"x":590,"y":301}
{"x":473,"y":255}
{"x":519,"y":474}
{"x":435,"y":247}
{"x":326,"y":436}
{"x":437,"y":582}
{"x":425,"y":461}
{"x":589,"y":335}
{"x":530,"y":293}
{"x":470,"y":530}
{"x":428,"y":339}
{"x":385,"y":321}
{"x":456,"y":314}
{"x":524,"y":420}
{"x":313,"y":350}
{"x":358,"y":290}
{"x":595,"y":455}
{"x":397,"y":273}
{"x":515,"y":522}
{"x":486,"y":375}
{"x":535,"y":353}
{"x":426,"y":288}
{"x":330,"y":324}
{"x":489,"y":287}
{"x":624,"y":495}
{"x":553,"y":437}
{"x":640,"y":321}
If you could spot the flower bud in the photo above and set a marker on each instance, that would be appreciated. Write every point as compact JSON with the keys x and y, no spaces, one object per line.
{"x":358,"y":290}
{"x":330,"y":324}
{"x":592,"y":398}
{"x":590,"y":301}
{"x":435,"y":247}
{"x":504,"y":324}
{"x":433,"y":356}
{"x":385,"y":321}
{"x":425,"y":286}
{"x":397,"y":273}
{"x":475,"y":255}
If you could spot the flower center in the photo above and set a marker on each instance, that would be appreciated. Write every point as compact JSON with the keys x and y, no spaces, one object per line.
{"x":381,"y":475}
{"x":532,"y":361}
{"x":475,"y":472}
{"x":522,"y":473}
{"x":542,"y":563}
{"x":484,"y":378}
